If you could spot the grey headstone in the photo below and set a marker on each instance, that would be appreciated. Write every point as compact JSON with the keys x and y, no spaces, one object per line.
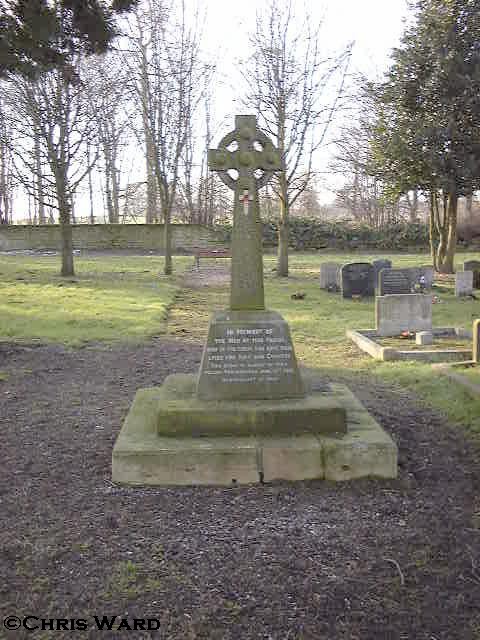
{"x":394,"y":281}
{"x":429,"y":274}
{"x":463,"y":283}
{"x":378,"y":265}
{"x":406,"y":280}
{"x":329,"y":274}
{"x":406,"y":312}
{"x":473,"y":265}
{"x":357,"y":279}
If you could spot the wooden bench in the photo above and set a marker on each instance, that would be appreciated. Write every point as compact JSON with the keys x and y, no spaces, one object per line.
{"x":210,"y":253}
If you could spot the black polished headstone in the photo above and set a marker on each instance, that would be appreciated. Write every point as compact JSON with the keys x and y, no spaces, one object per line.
{"x":357,"y":279}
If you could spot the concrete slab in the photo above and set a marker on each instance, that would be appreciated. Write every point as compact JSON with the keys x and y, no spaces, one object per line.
{"x":142,"y":457}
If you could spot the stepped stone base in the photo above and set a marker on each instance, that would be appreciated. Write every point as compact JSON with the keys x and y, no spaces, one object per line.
{"x":248,"y":448}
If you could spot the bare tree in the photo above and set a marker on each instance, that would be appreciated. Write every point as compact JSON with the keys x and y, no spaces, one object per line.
{"x":106,"y":85}
{"x":167,"y":77}
{"x":52,"y":123}
{"x":291,"y":88}
{"x":7,"y":181}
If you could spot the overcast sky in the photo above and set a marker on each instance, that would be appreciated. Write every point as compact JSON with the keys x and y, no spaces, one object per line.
{"x":375,"y":27}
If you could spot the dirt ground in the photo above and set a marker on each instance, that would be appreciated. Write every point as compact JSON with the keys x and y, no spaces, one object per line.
{"x":364,"y":560}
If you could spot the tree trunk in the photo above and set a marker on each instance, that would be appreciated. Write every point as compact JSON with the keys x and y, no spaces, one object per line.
{"x":90,"y":193}
{"x":151,"y":214}
{"x":40,"y":191}
{"x":108,"y":194}
{"x":447,"y":265}
{"x":64,"y":217}
{"x":115,"y":194}
{"x":167,"y":239}
{"x":469,"y":207}
{"x":413,"y":206}
{"x":67,"y":240}
{"x":431,"y":232}
{"x":283,"y":230}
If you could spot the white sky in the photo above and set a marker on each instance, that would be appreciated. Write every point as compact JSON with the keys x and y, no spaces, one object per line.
{"x":374,"y":25}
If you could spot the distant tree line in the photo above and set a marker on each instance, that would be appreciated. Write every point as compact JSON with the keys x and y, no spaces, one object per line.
{"x":83,"y":82}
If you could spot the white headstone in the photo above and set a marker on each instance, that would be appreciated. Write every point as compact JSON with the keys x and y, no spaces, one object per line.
{"x":403,"y":312}
{"x":463,"y":283}
{"x":329,"y":274}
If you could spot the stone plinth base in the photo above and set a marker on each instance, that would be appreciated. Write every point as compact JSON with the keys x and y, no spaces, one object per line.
{"x":181,"y":413}
{"x":258,"y":453}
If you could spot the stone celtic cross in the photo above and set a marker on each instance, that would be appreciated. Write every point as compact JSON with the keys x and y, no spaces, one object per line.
{"x":245,"y":161}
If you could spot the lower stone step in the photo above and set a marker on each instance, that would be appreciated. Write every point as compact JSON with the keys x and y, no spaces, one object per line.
{"x":142,"y":457}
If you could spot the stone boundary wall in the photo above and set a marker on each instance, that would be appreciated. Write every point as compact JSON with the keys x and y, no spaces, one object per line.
{"x":109,"y":236}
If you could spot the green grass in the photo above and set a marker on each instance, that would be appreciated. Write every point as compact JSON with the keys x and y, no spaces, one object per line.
{"x":472,"y":374}
{"x":109,"y":299}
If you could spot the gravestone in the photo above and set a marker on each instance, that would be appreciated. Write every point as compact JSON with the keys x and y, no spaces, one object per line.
{"x":473,"y":265}
{"x":463,"y":283}
{"x":405,"y":312}
{"x":424,"y":338}
{"x":476,"y":342}
{"x":329,"y":274}
{"x":378,"y":265}
{"x":394,"y":282}
{"x":406,"y":280}
{"x":357,"y":279}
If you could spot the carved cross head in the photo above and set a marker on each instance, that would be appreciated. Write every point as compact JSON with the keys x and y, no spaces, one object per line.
{"x":245,"y":157}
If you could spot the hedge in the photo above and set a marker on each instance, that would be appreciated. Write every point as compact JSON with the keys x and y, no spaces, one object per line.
{"x":311,"y":234}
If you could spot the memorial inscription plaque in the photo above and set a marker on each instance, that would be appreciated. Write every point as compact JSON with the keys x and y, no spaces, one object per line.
{"x":249,"y":359}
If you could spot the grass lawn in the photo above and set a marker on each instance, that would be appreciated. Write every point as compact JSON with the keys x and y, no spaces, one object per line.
{"x":472,"y":374}
{"x":109,"y":299}
{"x":128,"y":298}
